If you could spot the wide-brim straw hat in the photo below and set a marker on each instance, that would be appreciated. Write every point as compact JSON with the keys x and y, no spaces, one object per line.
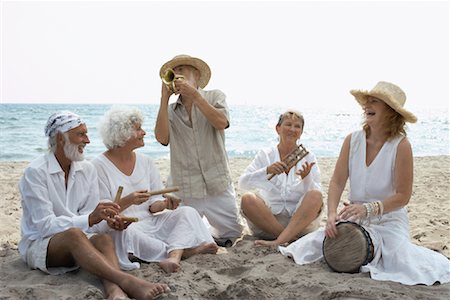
{"x":183,"y":59}
{"x":390,"y":94}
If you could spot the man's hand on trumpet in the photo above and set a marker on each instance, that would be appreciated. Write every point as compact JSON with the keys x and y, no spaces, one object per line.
{"x":186,"y":89}
{"x":166,"y":92}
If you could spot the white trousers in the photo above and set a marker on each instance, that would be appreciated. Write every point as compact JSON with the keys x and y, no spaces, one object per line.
{"x":221,"y":212}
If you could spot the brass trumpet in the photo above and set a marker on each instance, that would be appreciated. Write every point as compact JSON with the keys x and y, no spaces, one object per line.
{"x":169,"y":79}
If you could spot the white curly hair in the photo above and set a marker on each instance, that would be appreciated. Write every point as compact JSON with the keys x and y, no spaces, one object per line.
{"x":118,"y":125}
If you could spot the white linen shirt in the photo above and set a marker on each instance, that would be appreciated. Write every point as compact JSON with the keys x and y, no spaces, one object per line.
{"x":283,"y":191}
{"x":49,"y":207}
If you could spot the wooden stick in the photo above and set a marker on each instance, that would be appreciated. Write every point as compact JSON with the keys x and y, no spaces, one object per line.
{"x":163,"y":191}
{"x":118,"y":194}
{"x":129,"y":219}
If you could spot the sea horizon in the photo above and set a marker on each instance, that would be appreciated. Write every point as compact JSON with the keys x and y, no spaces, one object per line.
{"x":252,"y":128}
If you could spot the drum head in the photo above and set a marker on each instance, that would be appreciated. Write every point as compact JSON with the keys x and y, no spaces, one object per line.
{"x":349,"y":250}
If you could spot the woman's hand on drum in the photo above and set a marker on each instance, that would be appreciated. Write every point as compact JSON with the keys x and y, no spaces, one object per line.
{"x":353,"y":211}
{"x":277,"y":168}
{"x":330,"y":229}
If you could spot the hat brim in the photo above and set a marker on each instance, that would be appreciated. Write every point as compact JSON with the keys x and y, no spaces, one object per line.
{"x":361,"y":97}
{"x":200,"y":65}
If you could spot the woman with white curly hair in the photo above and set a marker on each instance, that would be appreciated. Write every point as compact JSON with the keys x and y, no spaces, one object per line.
{"x":160,"y":235}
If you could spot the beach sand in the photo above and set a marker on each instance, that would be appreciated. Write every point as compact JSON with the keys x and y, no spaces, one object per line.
{"x":243,"y":271}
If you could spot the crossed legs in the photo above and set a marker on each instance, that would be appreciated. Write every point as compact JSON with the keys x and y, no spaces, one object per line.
{"x":97,"y":256}
{"x":261,"y":216}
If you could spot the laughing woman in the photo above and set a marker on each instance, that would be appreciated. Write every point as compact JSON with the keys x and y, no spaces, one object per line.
{"x":378,"y":161}
{"x":160,"y":235}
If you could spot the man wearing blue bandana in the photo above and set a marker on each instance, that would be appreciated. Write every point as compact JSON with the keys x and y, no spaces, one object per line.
{"x":63,"y":221}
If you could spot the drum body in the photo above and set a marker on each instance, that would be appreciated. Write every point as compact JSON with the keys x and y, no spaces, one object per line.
{"x":351,"y":249}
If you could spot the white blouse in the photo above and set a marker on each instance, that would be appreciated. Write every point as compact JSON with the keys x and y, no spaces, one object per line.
{"x":283,"y":191}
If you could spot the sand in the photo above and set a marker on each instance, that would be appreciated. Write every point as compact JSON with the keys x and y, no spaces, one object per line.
{"x":243,"y":271}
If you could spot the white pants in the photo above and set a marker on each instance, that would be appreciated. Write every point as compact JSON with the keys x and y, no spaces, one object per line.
{"x":221,"y":212}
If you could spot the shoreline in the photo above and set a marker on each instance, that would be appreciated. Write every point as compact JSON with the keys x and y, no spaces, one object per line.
{"x":243,"y":271}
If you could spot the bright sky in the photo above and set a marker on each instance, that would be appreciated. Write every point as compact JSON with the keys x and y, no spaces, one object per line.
{"x":291,"y":53}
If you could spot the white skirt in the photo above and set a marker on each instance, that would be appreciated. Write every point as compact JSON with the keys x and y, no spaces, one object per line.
{"x":396,"y":257}
{"x":152,"y":238}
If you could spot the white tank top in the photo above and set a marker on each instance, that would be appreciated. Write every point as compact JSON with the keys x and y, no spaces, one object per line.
{"x":376,"y":181}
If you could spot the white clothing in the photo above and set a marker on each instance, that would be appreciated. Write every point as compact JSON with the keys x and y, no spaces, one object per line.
{"x":199,"y":165}
{"x":49,"y":207}
{"x":154,"y":235}
{"x":283,"y":218}
{"x":396,"y":257}
{"x":283,"y":191}
{"x":36,"y":257}
{"x":221,"y":213}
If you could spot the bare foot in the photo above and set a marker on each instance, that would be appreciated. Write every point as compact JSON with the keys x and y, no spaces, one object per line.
{"x":170,"y":265}
{"x":210,"y":248}
{"x":140,"y":289}
{"x":114,"y":292}
{"x":263,"y":243}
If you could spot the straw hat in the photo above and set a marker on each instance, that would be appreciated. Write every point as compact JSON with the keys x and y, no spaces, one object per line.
{"x":391,"y":94}
{"x":183,"y":59}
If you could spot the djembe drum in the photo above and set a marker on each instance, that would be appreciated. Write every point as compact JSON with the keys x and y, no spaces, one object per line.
{"x":351,"y":249}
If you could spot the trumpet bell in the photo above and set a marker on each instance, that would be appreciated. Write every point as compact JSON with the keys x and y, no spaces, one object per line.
{"x":169,"y":79}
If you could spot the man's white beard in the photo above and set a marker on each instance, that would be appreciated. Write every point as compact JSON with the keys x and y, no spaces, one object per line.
{"x":71,"y":150}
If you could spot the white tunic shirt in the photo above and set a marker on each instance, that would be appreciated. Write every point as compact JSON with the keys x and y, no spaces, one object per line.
{"x":283,"y":191}
{"x":48,"y":206}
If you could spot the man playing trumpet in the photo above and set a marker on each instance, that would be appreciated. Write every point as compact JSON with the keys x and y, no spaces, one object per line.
{"x":194,"y":127}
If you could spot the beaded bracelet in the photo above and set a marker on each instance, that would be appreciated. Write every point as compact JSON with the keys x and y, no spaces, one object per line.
{"x":368,"y":208}
{"x":377,"y":208}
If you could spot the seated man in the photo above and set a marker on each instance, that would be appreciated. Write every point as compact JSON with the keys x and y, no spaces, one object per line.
{"x":62,"y":213}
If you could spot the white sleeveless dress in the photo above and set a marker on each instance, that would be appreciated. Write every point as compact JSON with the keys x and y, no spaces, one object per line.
{"x":396,"y":257}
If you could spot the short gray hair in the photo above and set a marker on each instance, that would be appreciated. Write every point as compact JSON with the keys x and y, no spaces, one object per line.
{"x":118,"y":125}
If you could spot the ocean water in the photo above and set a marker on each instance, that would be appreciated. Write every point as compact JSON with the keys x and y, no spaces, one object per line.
{"x":252,"y":128}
